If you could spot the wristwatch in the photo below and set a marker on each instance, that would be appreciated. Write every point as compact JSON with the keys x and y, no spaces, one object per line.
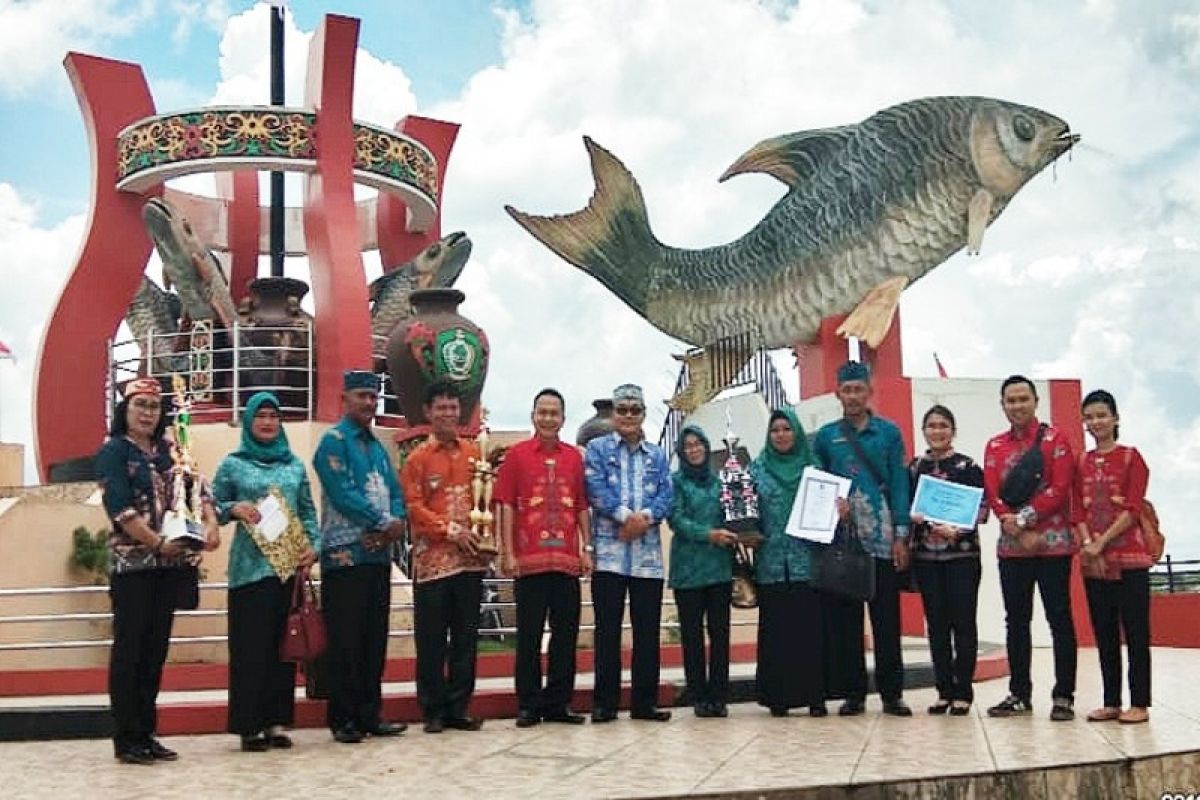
{"x":589,"y":549}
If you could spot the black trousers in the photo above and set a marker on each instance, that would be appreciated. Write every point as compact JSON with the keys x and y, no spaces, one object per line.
{"x":950,"y":594}
{"x":845,"y":660}
{"x":791,"y":652}
{"x":1052,"y":576}
{"x":262,"y":689}
{"x":1116,"y":607}
{"x":706,"y":604}
{"x":645,"y":615}
{"x":553,"y":595}
{"x":356,"y":602}
{"x":143,"y":606}
{"x":446,"y":667}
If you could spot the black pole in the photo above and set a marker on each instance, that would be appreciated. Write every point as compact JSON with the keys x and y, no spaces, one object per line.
{"x":277,"y":99}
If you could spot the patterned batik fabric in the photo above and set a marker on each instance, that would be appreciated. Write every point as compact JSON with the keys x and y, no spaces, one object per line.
{"x":241,"y":479}
{"x":622,"y":481}
{"x":359,"y":495}
{"x":1105,"y":485}
{"x":437,"y":487}
{"x":955,"y":468}
{"x":135,"y":483}
{"x":695,"y":510}
{"x":1049,"y":508}
{"x":780,"y":558}
{"x":543,"y":484}
{"x":879,"y":520}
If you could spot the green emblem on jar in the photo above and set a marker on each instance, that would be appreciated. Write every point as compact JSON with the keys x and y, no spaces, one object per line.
{"x":459,"y":357}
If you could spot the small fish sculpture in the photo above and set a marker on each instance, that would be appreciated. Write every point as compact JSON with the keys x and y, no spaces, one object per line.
{"x":870,"y":208}
{"x":188,"y":265}
{"x":153,"y":318}
{"x":437,"y":266}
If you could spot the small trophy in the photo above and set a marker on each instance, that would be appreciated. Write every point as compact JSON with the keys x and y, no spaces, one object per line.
{"x":183,"y":522}
{"x":483,"y":475}
{"x":739,"y":499}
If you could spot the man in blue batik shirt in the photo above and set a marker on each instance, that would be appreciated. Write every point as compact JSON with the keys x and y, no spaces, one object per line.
{"x":629,"y":489}
{"x":879,"y":501}
{"x":362,"y":512}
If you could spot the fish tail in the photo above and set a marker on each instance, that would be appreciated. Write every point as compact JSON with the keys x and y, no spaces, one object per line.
{"x":610,"y":238}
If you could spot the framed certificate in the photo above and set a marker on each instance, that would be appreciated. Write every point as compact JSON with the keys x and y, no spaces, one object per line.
{"x":814,"y":513}
{"x":947,"y":503}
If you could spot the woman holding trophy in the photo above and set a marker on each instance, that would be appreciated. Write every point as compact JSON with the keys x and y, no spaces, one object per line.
{"x":147,"y":569}
{"x":265,"y":488}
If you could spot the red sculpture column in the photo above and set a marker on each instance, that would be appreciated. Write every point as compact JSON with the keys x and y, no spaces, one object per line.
{"x":398,"y":245}
{"x":240,"y":191}
{"x":343,"y":323}
{"x":72,"y":364}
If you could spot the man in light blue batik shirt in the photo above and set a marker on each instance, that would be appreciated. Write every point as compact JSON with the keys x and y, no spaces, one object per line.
{"x":629,"y":489}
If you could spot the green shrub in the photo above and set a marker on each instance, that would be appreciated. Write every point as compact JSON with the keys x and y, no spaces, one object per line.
{"x":89,"y":553}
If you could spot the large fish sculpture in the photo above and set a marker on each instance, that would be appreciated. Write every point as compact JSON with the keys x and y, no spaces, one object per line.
{"x":188,"y":265}
{"x":437,"y":266}
{"x":153,"y":318}
{"x":870,"y":208}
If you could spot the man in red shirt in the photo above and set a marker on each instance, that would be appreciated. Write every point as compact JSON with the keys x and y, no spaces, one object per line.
{"x":1036,"y":546}
{"x":544,"y":525}
{"x":447,"y":566}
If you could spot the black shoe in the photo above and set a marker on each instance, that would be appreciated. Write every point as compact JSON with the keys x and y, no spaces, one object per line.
{"x":564,"y":717}
{"x":527,"y":718}
{"x":897,"y":708}
{"x":779,"y":711}
{"x":387,"y":728}
{"x":600,"y":715}
{"x":464,"y":723}
{"x":138,"y":754}
{"x":434,"y":725}
{"x":1063,"y":710}
{"x":1011,"y":706}
{"x":160,"y":751}
{"x":819,"y":710}
{"x":940,"y":707}
{"x":347,"y":734}
{"x":852,"y":708}
{"x":259,"y":743}
{"x":279,"y":741}
{"x":960,"y":708}
{"x":703,"y":710}
{"x":719,"y":710}
{"x":651,"y":715}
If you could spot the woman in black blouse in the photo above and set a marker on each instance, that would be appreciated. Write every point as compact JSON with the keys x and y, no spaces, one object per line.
{"x":946,"y":561}
{"x":145,"y":569}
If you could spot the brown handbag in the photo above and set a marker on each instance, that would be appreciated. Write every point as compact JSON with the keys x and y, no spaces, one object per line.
{"x":304,"y":637}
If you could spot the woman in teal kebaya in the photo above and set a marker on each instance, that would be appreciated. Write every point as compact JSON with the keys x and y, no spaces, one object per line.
{"x":790,"y":670}
{"x":261,"y":687}
{"x":701,"y":573}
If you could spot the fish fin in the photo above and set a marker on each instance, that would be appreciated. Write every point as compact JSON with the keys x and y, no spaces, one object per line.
{"x":610,"y":238}
{"x":872,"y":317}
{"x":979,"y":213}
{"x":792,"y":157}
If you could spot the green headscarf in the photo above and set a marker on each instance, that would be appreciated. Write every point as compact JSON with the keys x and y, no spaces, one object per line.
{"x":263,"y":452}
{"x":702,"y":474}
{"x":786,"y":467}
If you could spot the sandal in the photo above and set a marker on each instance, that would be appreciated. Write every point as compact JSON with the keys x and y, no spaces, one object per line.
{"x":1134,"y":716}
{"x":1104,"y":714}
{"x":960,"y":708}
{"x":940,"y":707}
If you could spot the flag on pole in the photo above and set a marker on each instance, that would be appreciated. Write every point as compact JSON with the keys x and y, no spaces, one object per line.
{"x":6,"y":353}
{"x":941,"y":370}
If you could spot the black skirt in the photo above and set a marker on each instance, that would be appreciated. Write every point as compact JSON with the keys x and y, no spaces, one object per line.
{"x":791,"y":668}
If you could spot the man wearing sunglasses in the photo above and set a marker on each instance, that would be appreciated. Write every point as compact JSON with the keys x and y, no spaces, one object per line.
{"x":629,"y":489}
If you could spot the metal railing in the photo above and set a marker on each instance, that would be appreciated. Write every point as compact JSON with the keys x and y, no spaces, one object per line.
{"x":1166,"y":576}
{"x":490,"y":611}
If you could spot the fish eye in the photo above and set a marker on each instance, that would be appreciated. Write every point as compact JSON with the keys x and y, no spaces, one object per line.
{"x":1023,"y":128}
{"x":433,"y":250}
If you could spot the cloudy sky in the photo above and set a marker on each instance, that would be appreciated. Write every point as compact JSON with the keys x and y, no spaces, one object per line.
{"x":1092,"y":272}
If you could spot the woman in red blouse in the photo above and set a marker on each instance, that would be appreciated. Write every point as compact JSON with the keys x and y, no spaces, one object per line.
{"x":1109,"y":489}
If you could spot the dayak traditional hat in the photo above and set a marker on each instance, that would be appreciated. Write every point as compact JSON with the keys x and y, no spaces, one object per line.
{"x":630,"y":393}
{"x":853,"y":371}
{"x":138,"y":386}
{"x":355,"y":379}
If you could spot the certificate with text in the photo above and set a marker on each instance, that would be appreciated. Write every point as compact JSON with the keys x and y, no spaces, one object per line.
{"x":814,"y":513}
{"x":947,"y":503}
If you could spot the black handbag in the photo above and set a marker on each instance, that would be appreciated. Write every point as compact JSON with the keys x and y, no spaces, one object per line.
{"x":1023,"y":480}
{"x":843,"y":567}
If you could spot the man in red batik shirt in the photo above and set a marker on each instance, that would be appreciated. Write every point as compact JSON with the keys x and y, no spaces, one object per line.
{"x":544,"y":525}
{"x":1036,"y":546}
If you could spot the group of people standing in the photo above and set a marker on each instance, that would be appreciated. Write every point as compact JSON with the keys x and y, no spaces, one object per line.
{"x":563,"y":515}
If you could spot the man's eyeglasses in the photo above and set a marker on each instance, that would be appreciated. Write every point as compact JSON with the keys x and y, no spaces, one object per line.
{"x":628,"y":411}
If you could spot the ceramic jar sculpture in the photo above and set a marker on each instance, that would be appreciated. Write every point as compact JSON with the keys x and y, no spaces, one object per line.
{"x":437,"y":344}
{"x":598,"y":425}
{"x":274,"y":345}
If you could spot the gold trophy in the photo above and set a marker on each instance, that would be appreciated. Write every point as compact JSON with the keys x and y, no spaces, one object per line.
{"x":183,"y":521}
{"x":483,"y":528}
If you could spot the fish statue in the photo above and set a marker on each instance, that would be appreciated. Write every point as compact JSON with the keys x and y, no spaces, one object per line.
{"x":437,"y":266}
{"x":870,"y":208}
{"x":153,"y":319}
{"x":188,"y":265}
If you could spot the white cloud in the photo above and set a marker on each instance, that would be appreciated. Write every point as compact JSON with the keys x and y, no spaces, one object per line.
{"x":36,"y":34}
